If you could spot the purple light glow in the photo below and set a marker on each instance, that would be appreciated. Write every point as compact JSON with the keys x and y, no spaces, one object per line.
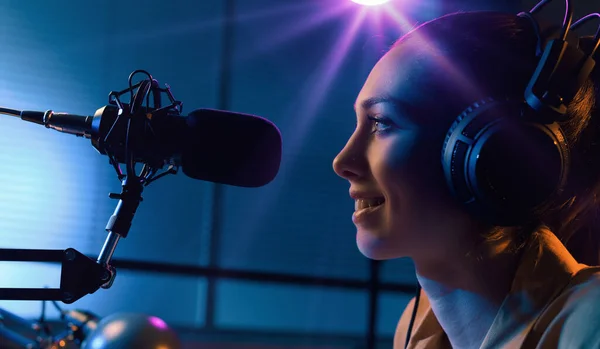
{"x":367,"y":30}
{"x":370,"y":2}
{"x":158,"y":323}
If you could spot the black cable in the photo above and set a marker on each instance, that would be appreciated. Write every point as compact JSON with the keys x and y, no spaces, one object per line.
{"x":130,"y":81}
{"x":59,"y":309}
{"x":568,"y":19}
{"x":413,"y":316}
{"x":137,"y":99}
{"x":584,"y":19}
{"x":539,"y":51}
{"x":8,"y":111}
{"x":43,"y":314}
{"x":42,"y":323}
{"x":539,"y":6}
{"x":597,"y":38}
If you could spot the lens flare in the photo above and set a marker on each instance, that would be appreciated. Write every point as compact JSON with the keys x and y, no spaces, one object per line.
{"x":370,"y":2}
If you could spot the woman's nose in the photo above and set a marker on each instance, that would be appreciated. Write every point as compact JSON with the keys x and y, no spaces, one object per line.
{"x":348,"y":164}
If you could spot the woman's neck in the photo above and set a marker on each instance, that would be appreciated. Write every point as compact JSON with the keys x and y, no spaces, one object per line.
{"x":466,"y":292}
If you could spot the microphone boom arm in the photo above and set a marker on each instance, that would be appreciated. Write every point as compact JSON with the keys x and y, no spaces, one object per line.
{"x":80,"y":275}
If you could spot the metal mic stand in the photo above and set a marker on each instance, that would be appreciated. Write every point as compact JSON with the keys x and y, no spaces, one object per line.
{"x":81,"y":275}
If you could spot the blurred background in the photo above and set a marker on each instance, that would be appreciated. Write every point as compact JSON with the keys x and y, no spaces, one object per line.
{"x":271,"y":267}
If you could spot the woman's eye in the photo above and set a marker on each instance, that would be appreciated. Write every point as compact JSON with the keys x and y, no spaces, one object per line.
{"x":380,"y":124}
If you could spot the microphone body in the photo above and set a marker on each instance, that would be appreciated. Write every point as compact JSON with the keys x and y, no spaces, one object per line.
{"x":62,"y":122}
{"x":212,"y":145}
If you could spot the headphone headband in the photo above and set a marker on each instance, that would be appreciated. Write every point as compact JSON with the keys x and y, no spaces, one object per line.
{"x":562,"y":70}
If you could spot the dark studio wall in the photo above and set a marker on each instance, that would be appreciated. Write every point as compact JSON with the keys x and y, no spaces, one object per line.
{"x":272,"y":58}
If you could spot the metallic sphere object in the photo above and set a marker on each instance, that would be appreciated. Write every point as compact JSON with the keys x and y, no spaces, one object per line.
{"x":132,"y":331}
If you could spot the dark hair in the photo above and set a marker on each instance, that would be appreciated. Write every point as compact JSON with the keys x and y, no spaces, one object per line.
{"x":496,"y":53}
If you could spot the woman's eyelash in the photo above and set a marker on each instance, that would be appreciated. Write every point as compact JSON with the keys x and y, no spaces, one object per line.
{"x":380,"y":124}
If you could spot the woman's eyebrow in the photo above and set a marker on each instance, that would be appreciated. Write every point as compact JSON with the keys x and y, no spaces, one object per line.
{"x":370,"y":102}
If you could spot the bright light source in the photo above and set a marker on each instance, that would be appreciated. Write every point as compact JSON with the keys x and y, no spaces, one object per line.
{"x":370,"y":2}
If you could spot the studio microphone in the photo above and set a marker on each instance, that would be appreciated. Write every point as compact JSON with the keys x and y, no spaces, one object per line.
{"x":212,"y":145}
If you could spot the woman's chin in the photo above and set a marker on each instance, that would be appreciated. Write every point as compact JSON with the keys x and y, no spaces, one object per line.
{"x":374,"y":247}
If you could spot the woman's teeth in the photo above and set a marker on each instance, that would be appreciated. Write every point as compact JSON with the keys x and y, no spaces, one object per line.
{"x":360,"y":204}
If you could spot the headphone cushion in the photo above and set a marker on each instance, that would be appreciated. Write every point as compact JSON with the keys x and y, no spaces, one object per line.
{"x":500,"y":166}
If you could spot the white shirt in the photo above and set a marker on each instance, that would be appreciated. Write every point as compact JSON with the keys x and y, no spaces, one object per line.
{"x":554,"y":302}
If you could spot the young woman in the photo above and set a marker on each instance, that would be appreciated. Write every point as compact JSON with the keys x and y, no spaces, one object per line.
{"x":485,"y":282}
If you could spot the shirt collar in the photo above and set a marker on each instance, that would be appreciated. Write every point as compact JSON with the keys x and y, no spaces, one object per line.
{"x":544,"y":271}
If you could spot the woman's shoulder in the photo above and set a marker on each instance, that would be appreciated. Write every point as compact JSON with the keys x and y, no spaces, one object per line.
{"x":583,"y":292}
{"x":573,"y":318}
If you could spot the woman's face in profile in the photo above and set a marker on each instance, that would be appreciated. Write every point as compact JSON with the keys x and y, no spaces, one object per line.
{"x":392,"y":162}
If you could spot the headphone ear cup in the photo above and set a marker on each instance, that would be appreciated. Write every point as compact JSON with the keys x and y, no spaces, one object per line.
{"x":501,"y":166}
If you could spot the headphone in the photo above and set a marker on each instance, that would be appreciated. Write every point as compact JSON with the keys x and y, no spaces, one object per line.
{"x":506,"y":159}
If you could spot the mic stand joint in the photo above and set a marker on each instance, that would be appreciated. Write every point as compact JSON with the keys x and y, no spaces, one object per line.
{"x":119,"y":223}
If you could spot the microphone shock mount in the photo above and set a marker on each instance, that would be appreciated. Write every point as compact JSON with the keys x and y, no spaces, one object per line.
{"x":81,"y":275}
